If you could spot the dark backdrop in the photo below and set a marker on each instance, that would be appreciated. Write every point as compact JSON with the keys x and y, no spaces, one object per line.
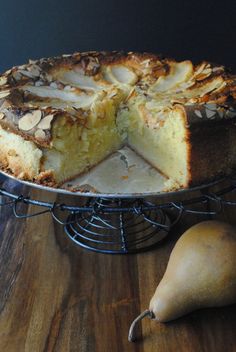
{"x":182,"y":29}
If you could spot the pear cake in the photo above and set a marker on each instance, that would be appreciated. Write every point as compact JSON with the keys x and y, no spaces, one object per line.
{"x":61,"y":116}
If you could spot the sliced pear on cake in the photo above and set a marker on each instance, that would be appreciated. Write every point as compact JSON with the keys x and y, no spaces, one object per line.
{"x":81,"y":80}
{"x":179,"y":72}
{"x":71,"y":97}
{"x":120,"y":75}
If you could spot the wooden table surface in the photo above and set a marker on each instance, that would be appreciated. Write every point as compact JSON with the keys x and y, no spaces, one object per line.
{"x":55,"y":296}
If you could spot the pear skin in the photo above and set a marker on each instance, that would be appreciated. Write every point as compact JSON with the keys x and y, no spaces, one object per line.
{"x":201,"y":272}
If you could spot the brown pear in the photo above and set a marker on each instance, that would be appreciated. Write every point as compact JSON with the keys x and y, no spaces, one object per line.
{"x":201,"y":272}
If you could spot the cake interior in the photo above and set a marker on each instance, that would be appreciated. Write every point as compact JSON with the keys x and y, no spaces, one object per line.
{"x":163,"y":146}
{"x":76,"y":148}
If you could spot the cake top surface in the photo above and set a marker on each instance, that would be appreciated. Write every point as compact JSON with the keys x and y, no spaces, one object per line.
{"x":34,"y":94}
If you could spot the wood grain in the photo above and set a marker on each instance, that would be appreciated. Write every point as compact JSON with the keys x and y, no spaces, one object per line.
{"x":57,"y":297}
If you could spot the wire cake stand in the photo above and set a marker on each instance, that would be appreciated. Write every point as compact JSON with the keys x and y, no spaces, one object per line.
{"x":116,"y":224}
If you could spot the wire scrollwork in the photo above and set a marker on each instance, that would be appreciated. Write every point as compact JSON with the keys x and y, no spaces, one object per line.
{"x":119,"y":225}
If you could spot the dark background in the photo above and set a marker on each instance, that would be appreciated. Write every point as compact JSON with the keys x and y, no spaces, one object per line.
{"x":181,"y":29}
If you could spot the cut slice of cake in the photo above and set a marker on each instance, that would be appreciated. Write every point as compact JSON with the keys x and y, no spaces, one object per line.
{"x":61,"y":116}
{"x":62,"y":122}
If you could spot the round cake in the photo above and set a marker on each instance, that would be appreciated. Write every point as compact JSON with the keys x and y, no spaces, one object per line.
{"x":61,"y":116}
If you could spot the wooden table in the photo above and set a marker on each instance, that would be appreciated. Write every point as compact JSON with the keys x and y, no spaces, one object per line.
{"x":55,"y":296}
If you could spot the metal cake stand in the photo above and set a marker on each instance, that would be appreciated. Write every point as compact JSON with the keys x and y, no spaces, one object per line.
{"x":118,"y":223}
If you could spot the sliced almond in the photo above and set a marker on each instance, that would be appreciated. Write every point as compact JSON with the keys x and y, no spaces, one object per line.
{"x":8,"y":71}
{"x":112,"y":94}
{"x":2,"y":115}
{"x":198,"y":113}
{"x":231,"y":113}
{"x":22,"y":67}
{"x":4,"y":93}
{"x":219,"y":68}
{"x":204,"y":74}
{"x":132,"y":93}
{"x":5,"y":105}
{"x":44,"y":106}
{"x":45,"y":123}
{"x":67,"y":87}
{"x":200,"y":68}
{"x":38,"y":83}
{"x":206,"y":88}
{"x":26,"y":73}
{"x":3,"y":80}
{"x":201,"y":77}
{"x":35,"y":70}
{"x":210,"y":113}
{"x":16,"y":75}
{"x":186,"y":85}
{"x":40,"y":134}
{"x":30,"y":120}
{"x":146,"y":63}
{"x":32,"y":61}
{"x":53,"y":85}
{"x":221,"y":112}
{"x":222,"y":86}
{"x":211,"y":106}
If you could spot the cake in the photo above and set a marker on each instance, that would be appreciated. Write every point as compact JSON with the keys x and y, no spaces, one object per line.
{"x":61,"y":116}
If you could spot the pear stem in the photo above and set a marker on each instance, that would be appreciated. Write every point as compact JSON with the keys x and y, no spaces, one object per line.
{"x":146,"y":313}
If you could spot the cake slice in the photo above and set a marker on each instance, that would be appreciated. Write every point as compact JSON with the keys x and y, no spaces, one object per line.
{"x":57,"y":121}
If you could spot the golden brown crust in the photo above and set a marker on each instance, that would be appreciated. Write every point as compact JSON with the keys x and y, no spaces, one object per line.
{"x":147,"y":66}
{"x":17,"y":171}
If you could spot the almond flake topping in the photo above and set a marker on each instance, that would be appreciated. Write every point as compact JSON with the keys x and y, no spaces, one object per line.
{"x":198,"y":113}
{"x":231,"y":113}
{"x":35,"y":70}
{"x":32,"y":61}
{"x":53,"y":85}
{"x":221,"y":112}
{"x":30,"y":120}
{"x":8,"y":71}
{"x":3,"y":80}
{"x":215,"y":69}
{"x":39,"y":134}
{"x":211,"y":106}
{"x":26,"y":73}
{"x":16,"y":75}
{"x":45,"y":123}
{"x":4,"y":93}
{"x":210,"y":113}
{"x":38,"y":83}
{"x":204,"y":74}
{"x":200,"y":69}
{"x":2,"y":115}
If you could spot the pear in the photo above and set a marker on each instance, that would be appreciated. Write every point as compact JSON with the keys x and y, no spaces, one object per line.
{"x":201,"y":272}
